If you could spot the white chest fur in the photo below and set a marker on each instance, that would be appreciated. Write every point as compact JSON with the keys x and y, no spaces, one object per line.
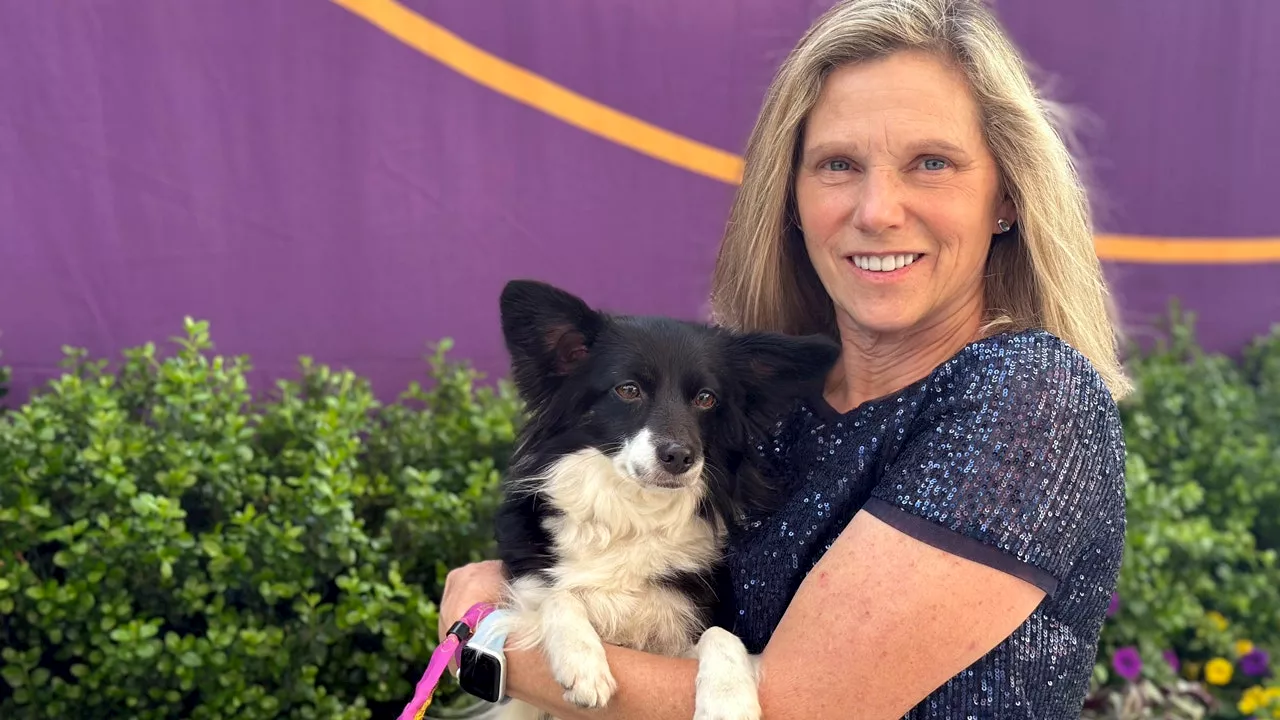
{"x":616,"y":540}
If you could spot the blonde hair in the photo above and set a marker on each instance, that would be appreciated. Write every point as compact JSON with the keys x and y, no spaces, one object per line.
{"x":1044,"y":275}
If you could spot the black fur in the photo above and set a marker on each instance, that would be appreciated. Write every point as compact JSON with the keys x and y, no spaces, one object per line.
{"x":699,"y":586}
{"x":567,"y":359}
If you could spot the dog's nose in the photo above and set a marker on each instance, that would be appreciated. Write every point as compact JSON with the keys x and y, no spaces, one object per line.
{"x":676,"y":458}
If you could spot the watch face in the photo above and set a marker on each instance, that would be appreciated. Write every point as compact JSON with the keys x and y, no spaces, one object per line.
{"x":480,"y":675}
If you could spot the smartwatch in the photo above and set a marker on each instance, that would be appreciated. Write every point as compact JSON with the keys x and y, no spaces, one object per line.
{"x":482,"y":666}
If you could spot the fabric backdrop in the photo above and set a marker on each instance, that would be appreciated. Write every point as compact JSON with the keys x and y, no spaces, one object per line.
{"x":356,"y":179}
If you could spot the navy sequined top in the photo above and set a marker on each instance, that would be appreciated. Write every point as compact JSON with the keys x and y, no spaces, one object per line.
{"x":1010,"y":454}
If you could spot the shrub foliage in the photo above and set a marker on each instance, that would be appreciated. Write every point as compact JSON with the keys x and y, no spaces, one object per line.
{"x":171,"y":547}
{"x":1200,"y":586}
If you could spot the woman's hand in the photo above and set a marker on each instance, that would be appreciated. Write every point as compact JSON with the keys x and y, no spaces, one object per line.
{"x":466,"y":586}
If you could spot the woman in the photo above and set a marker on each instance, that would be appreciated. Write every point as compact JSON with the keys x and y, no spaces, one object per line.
{"x":955,"y":520}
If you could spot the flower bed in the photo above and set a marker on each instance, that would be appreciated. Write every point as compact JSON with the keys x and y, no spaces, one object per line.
{"x":1195,"y":625}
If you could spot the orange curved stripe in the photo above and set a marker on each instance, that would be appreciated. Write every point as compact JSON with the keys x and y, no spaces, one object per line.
{"x":558,"y":101}
{"x":1188,"y":251}
{"x":538,"y":92}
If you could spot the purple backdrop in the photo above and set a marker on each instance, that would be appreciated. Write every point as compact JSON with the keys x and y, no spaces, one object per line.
{"x":312,"y":185}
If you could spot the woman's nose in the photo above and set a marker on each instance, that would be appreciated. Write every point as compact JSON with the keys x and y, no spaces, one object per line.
{"x":879,"y":202}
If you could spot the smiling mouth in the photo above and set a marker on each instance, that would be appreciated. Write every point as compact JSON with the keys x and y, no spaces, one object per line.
{"x":884,"y":263}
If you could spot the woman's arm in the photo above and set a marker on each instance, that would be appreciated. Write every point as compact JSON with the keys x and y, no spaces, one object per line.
{"x":881,"y":621}
{"x":650,"y":687}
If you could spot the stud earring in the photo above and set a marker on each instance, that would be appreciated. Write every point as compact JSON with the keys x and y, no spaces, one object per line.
{"x":1003,"y":225}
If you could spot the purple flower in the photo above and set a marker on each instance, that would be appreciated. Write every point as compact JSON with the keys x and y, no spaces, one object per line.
{"x":1256,"y":663}
{"x":1114,"y":607}
{"x":1127,"y":662}
{"x":1172,"y":658}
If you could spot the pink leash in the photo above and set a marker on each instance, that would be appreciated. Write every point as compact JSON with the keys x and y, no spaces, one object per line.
{"x":458,"y":634}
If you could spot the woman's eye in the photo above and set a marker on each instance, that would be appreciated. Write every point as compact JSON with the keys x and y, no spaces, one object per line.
{"x":839,"y":165}
{"x":935,"y":164}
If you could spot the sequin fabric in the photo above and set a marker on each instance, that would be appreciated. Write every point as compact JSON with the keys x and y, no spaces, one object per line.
{"x":1011,"y":454}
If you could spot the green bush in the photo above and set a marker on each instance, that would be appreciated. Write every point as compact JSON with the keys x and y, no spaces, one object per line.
{"x":1262,"y":370}
{"x":1200,"y":570}
{"x":172,"y":547}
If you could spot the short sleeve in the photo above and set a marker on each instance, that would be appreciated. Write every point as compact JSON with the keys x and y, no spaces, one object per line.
{"x":1015,"y":461}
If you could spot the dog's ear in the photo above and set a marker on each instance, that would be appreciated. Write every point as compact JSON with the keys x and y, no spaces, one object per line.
{"x":548,"y":332}
{"x":771,"y":371}
{"x":776,"y":364}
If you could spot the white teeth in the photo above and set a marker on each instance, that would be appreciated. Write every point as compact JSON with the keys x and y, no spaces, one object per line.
{"x":884,"y":263}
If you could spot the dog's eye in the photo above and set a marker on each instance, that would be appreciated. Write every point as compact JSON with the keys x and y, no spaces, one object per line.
{"x":628,"y":391}
{"x":705,"y":400}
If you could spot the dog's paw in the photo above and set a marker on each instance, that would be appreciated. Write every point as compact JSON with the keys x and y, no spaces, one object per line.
{"x":583,"y":672}
{"x":726,"y":685}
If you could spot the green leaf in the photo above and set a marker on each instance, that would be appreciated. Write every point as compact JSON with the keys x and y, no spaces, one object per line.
{"x":14,"y":676}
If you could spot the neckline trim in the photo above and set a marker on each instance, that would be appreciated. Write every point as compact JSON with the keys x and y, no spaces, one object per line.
{"x":823,"y":408}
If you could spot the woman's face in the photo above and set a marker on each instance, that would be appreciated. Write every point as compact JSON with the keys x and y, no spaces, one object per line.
{"x":897,"y":195}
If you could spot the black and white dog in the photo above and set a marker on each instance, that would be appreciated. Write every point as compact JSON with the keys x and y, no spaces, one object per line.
{"x":635,"y":456}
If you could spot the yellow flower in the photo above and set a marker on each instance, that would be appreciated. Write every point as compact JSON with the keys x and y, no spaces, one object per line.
{"x":1251,"y":700}
{"x":1243,"y":647}
{"x":1218,"y":671}
{"x":1217,"y":619}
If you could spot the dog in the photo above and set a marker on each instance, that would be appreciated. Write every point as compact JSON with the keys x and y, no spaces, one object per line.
{"x":635,"y":458}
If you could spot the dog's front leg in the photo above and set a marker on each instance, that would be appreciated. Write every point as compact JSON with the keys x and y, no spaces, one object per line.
{"x":727,"y":678}
{"x":575,"y":652}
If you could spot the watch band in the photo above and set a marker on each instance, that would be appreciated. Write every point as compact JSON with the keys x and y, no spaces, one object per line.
{"x":482,"y":668}
{"x":491,"y":634}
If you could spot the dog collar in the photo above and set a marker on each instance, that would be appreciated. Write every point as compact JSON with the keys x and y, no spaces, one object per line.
{"x":455,"y":638}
